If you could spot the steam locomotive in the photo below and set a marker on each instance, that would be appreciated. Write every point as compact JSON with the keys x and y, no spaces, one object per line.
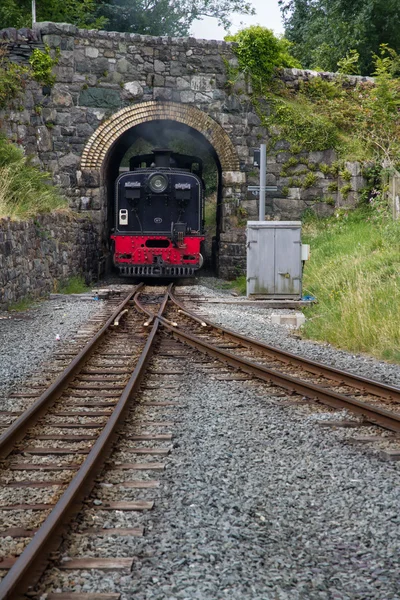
{"x":159,"y":216}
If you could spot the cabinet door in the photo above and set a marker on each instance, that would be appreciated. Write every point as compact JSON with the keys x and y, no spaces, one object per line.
{"x":288,"y":262}
{"x":260,"y":261}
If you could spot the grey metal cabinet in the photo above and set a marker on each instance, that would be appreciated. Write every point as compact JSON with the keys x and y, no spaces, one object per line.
{"x":274,"y":265}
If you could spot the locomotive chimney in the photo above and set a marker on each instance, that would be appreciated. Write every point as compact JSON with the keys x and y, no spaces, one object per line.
{"x":162,"y":158}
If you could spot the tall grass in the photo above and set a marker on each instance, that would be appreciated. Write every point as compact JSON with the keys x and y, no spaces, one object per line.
{"x":25,"y":190}
{"x":354,"y":272}
{"x":74,"y":285}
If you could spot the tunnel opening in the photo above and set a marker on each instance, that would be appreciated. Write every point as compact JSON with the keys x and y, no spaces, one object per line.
{"x":180,"y":138}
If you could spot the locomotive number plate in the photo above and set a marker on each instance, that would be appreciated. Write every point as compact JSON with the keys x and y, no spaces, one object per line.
{"x":158,"y":220}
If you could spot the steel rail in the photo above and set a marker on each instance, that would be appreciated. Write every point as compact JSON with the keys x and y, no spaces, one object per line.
{"x":372,"y":386}
{"x":376,"y":415}
{"x":32,"y":562}
{"x":17,"y":430}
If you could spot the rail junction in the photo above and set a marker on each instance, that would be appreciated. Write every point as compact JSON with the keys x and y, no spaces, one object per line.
{"x":107,"y":403}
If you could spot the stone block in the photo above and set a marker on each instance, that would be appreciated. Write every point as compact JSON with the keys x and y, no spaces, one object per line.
{"x":354,"y":168}
{"x":66,"y":59}
{"x":125,"y":66}
{"x":69,"y":160}
{"x":233,"y":177}
{"x":183,"y":83}
{"x":52,"y":40}
{"x":202,"y":83}
{"x":88,"y":178}
{"x":91,"y":52}
{"x":177,"y":69}
{"x":64,"y":74}
{"x":201,"y":98}
{"x":61,"y":97}
{"x":158,"y":80}
{"x":60,"y":118}
{"x":133,"y":90}
{"x":159,"y":66}
{"x":48,"y":27}
{"x":160,"y":93}
{"x":67,"y":43}
{"x":44,"y":139}
{"x":322,"y":209}
{"x":357,"y":183}
{"x":296,"y":320}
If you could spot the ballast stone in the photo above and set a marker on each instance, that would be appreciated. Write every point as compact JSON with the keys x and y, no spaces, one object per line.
{"x":293,"y":320}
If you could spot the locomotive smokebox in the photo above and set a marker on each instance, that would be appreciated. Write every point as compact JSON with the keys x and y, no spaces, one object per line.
{"x":162,"y":158}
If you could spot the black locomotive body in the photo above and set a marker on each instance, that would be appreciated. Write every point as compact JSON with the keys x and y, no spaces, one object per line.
{"x":159,"y":216}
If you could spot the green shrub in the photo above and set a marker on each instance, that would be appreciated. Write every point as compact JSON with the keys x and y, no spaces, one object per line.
{"x":261,"y":53}
{"x":309,"y":180}
{"x":350,"y":64}
{"x":299,"y":124}
{"x":42,"y":64}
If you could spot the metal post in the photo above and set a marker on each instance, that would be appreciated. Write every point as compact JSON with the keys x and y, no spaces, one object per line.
{"x":263,"y":180}
{"x":33,"y":12}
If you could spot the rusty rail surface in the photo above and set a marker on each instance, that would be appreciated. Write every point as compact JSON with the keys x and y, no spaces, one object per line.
{"x":374,"y":387}
{"x":35,"y":558}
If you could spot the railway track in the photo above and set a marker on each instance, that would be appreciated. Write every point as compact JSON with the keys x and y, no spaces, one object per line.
{"x":367,"y":398}
{"x":61,"y":444}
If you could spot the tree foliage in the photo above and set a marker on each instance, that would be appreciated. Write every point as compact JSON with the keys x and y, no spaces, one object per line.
{"x":324,"y":31}
{"x":260,"y":53}
{"x":18,"y":13}
{"x":152,"y":17}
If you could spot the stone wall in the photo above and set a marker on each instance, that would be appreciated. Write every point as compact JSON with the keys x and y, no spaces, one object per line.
{"x":36,"y":254}
{"x":108,"y":82}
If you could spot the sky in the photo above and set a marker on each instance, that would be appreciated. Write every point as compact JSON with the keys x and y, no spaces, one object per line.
{"x":267,"y":15}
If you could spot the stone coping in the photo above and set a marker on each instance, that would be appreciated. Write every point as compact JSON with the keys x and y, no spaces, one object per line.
{"x":41,"y":28}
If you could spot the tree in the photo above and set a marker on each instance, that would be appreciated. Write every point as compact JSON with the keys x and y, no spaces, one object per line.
{"x":152,"y":17}
{"x":167,"y":17}
{"x":324,"y":31}
{"x":18,"y":13}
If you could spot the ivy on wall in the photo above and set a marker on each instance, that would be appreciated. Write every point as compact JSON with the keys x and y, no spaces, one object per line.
{"x":13,"y":77}
{"x":361,"y":120}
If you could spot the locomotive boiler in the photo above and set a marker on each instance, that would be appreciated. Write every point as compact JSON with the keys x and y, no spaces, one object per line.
{"x":159,"y":216}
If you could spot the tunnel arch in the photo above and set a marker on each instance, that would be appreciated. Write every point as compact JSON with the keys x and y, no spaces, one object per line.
{"x":107,"y":134}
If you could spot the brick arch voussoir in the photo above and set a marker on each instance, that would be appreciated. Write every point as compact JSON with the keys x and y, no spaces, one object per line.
{"x":101,"y":141}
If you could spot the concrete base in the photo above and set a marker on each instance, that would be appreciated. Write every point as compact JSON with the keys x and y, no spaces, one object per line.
{"x":295,"y":304}
{"x":294,"y":320}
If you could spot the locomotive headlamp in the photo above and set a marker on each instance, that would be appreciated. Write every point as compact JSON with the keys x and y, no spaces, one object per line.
{"x":158,"y":183}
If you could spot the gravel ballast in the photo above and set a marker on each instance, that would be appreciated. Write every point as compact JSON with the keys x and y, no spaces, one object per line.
{"x":257,"y":502}
{"x":256,"y":322}
{"x":28,"y":339}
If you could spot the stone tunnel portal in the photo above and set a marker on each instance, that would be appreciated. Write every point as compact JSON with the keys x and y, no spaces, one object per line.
{"x":145,"y":123}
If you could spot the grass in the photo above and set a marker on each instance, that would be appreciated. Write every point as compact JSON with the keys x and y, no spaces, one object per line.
{"x":74,"y":285}
{"x":22,"y":305}
{"x":25,"y":190}
{"x":210,"y":213}
{"x":238,"y":285}
{"x":354,"y":272}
